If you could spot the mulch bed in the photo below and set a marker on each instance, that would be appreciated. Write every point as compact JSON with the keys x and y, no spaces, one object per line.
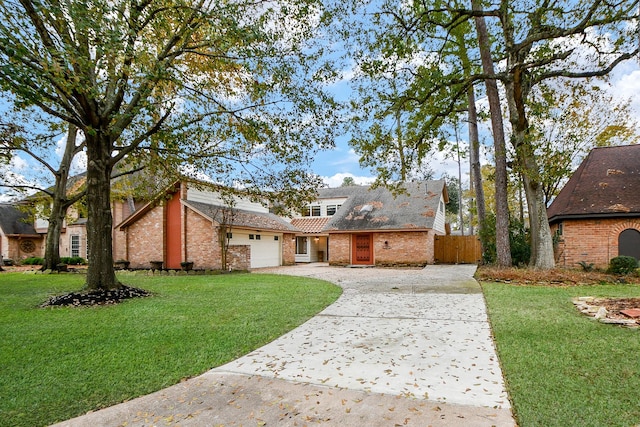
{"x":554,"y":277}
{"x":97,"y":297}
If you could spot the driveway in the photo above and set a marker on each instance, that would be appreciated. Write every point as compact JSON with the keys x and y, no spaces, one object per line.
{"x":399,"y":347}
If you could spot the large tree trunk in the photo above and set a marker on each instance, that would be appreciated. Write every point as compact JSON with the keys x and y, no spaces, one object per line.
{"x":540,"y":233}
{"x":60,"y":204}
{"x":503,"y":246}
{"x":474,"y":159}
{"x":101,"y":273}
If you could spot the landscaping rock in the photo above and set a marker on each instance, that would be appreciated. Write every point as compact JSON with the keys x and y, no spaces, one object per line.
{"x":610,"y":310}
{"x":601,"y":313}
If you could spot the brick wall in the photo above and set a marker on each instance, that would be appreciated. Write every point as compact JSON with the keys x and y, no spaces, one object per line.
{"x":590,"y":240}
{"x":408,"y":248}
{"x":239,"y":257}
{"x":202,"y":248}
{"x":339,"y":249}
{"x":403,"y":248}
{"x":288,"y":249}
{"x":11,"y":248}
{"x":145,"y":239}
{"x":120,"y":211}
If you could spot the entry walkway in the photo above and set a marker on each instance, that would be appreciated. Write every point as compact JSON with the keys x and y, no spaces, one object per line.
{"x":399,"y":347}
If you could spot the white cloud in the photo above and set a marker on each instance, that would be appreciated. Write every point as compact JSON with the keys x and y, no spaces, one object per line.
{"x":627,"y":85}
{"x":337,"y":179}
{"x":350,"y":158}
{"x":18,"y":164}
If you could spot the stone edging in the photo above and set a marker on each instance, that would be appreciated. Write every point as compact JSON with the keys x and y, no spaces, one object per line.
{"x":590,"y":306}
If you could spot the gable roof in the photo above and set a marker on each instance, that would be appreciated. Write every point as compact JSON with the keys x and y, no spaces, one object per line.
{"x":379,"y":209}
{"x":339,"y":192}
{"x":15,"y":222}
{"x":242,"y":218}
{"x":606,"y":184}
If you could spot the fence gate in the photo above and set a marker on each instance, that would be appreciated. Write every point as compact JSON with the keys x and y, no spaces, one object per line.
{"x":457,"y":250}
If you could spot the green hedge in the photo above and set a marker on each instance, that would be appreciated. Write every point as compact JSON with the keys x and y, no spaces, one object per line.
{"x":32,"y":261}
{"x":74,"y":260}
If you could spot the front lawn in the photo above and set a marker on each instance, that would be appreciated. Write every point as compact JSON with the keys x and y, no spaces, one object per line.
{"x":57,"y":363}
{"x":561,"y":367}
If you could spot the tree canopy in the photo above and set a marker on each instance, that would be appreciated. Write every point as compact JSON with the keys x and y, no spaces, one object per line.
{"x":234,"y":90}
{"x":532,"y":43}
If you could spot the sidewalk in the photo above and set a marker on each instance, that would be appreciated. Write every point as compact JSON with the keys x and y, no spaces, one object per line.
{"x":400,"y":347}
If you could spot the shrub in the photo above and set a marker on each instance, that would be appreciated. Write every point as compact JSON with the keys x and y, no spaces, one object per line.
{"x":74,"y":260}
{"x":34,"y":260}
{"x":586,"y":266}
{"x":622,"y":265}
{"x":518,"y":240}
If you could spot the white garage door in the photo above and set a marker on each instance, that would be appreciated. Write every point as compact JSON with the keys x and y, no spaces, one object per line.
{"x":265,"y":247}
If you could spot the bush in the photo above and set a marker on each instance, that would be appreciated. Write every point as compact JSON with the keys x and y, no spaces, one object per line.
{"x":74,"y":260}
{"x":518,"y":240}
{"x":622,"y":265}
{"x":34,"y":260}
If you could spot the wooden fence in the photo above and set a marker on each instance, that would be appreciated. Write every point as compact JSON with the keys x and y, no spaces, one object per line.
{"x":457,"y":250}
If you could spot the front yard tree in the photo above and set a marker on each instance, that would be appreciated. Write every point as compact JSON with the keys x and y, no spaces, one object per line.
{"x":54,"y":200}
{"x":542,"y":43}
{"x":534,"y":41}
{"x":232,"y":86}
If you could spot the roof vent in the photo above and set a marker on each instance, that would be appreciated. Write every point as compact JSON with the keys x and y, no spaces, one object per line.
{"x":366,"y":208}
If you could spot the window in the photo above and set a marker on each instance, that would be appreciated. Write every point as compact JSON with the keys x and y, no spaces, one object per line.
{"x":257,"y":237}
{"x":75,"y":245}
{"x":251,"y":237}
{"x":315,"y":210}
{"x":441,"y":206}
{"x":229,"y":236}
{"x":301,"y":245}
{"x":275,"y":237}
{"x":331,"y":210}
{"x":306,"y":211}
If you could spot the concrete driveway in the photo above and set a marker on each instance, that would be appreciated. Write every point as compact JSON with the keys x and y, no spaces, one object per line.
{"x":400,"y":347}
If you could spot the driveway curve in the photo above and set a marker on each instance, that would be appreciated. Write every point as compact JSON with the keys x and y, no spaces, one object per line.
{"x":400,"y":347}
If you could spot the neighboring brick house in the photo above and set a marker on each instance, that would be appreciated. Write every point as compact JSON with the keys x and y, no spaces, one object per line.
{"x":596,"y":216}
{"x":186,"y":224}
{"x":358,"y":225}
{"x":18,"y":236}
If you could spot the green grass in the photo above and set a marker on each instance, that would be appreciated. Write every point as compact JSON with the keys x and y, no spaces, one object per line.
{"x":561,"y":367}
{"x":58,"y":363}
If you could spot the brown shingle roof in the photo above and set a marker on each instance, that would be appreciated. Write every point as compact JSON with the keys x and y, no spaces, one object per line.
{"x":606,"y":184}
{"x":15,"y":222}
{"x":310,"y":225}
{"x":242,"y":218}
{"x":379,"y":209}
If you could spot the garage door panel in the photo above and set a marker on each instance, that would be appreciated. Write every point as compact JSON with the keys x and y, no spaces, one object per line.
{"x":265,"y":251}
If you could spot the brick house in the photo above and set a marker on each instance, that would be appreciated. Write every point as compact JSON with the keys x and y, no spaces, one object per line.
{"x":186,"y":224}
{"x":596,"y":216}
{"x":358,"y":225}
{"x":34,"y":227}
{"x":18,"y":237}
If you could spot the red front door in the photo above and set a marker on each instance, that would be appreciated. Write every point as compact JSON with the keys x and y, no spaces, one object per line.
{"x":362,"y":249}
